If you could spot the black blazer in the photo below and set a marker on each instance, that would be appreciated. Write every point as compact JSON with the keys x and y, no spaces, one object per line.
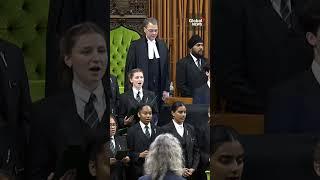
{"x":128,"y":102}
{"x":192,"y":149}
{"x":201,"y":95}
{"x":118,"y":170}
{"x":15,"y":103}
{"x":189,"y":76}
{"x":255,"y":50}
{"x":137,"y":143}
{"x":137,"y":57}
{"x":293,"y":106}
{"x":114,"y":95}
{"x":55,"y":126}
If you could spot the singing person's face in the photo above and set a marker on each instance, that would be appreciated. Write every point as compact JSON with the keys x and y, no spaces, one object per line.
{"x":88,"y":59}
{"x":145,"y":114}
{"x":137,"y":80}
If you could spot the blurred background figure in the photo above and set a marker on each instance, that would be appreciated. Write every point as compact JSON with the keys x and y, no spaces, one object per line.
{"x":164,"y":160}
{"x":227,"y":153}
{"x":117,"y":143}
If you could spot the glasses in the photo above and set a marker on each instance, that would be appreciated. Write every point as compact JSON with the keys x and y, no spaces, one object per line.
{"x":152,"y":30}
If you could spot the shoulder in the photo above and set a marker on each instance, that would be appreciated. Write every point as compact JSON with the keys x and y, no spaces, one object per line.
{"x":189,"y":126}
{"x":133,"y":128}
{"x":9,"y":46}
{"x":138,"y":41}
{"x":146,"y":177}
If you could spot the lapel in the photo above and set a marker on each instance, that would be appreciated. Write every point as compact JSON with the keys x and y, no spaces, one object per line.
{"x":140,"y":132}
{"x":131,"y":98}
{"x":70,"y":123}
{"x":187,"y":136}
{"x":193,"y":64}
{"x":162,"y":54}
{"x":143,"y":52}
{"x":10,"y":86}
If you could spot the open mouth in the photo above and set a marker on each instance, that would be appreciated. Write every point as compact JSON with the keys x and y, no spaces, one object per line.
{"x":95,"y":69}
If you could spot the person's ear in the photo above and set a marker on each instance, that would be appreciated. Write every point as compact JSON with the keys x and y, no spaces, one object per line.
{"x":68,"y":61}
{"x":311,"y":38}
{"x":172,"y":113}
{"x":139,"y":114}
{"x":92,"y":168}
{"x":316,"y":167}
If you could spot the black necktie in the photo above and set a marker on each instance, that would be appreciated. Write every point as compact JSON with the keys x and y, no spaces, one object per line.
{"x":112,"y":147}
{"x":285,"y":12}
{"x":138,"y":98}
{"x":147,"y":131}
{"x":198,"y":63}
{"x":90,"y":113}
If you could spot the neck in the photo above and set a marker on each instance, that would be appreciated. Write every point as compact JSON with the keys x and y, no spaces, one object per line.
{"x":89,"y":86}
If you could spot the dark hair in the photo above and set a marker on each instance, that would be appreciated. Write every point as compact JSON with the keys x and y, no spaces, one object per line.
{"x":132,"y":71}
{"x":115,"y":120}
{"x":140,"y":106}
{"x":151,"y":20}
{"x":95,"y":147}
{"x":220,"y":134}
{"x":67,"y":42}
{"x":176,"y":105}
{"x":311,"y":16}
{"x":316,"y":150}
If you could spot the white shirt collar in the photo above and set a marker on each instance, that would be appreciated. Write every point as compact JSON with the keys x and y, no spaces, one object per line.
{"x":143,"y":127}
{"x":135,"y":92}
{"x":208,"y":83}
{"x":179,"y":128}
{"x":152,"y":49}
{"x":177,"y":125}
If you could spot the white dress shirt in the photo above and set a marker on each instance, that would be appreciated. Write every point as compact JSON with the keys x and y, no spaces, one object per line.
{"x":152,"y":49}
{"x":144,"y":129}
{"x":179,"y":128}
{"x":135,"y":92}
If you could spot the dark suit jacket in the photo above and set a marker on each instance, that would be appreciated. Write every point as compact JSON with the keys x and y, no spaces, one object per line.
{"x":15,"y":104}
{"x":62,"y":15}
{"x":255,"y":50}
{"x":189,"y":76}
{"x":55,"y":126}
{"x":137,"y":57}
{"x":115,"y":95}
{"x":137,"y":143}
{"x":128,"y":103}
{"x":192,"y":148}
{"x":201,"y":95}
{"x":293,"y":106}
{"x":118,"y":170}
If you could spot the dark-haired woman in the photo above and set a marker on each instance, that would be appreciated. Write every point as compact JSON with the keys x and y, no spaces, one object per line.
{"x":185,"y":133}
{"x":227,"y":158}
